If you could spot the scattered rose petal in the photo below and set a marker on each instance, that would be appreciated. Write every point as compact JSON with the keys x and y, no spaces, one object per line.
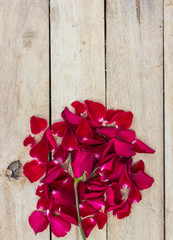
{"x":29,"y":141}
{"x":96,"y":111}
{"x":141,"y":147}
{"x":59,"y":128}
{"x":34,"y":170}
{"x":37,"y":125}
{"x":38,"y":221}
{"x":79,"y":107}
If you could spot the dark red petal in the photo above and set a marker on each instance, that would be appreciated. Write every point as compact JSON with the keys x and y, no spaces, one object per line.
{"x":101,"y":219}
{"x":37,"y":124}
{"x":69,"y":141}
{"x":123,"y":211}
{"x":70,"y":117}
{"x":69,"y":214}
{"x":60,"y":154}
{"x":109,"y":117}
{"x":141,"y":147}
{"x":125,"y":181}
{"x":138,"y":166}
{"x":59,"y":128}
{"x":143,"y":180}
{"x":34,"y":170}
{"x":96,"y":203}
{"x":134,"y":195}
{"x":127,"y":135}
{"x":96,"y":111}
{"x":53,"y":175}
{"x":123,"y":149}
{"x":123,"y":120}
{"x":88,"y":224}
{"x":50,"y":138}
{"x":84,"y":131}
{"x":79,"y":107}
{"x":38,"y":221}
{"x":29,"y":141}
{"x":41,"y":150}
{"x":43,"y":204}
{"x":59,"y":227}
{"x":110,"y":132}
{"x":107,"y":166}
{"x":86,"y":210}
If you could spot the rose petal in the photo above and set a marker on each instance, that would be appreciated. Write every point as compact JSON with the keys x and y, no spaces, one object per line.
{"x":96,"y":203}
{"x":127,"y":135}
{"x":110,"y":132}
{"x":123,"y":120}
{"x":123,"y":211}
{"x":53,"y":175}
{"x":101,"y":219}
{"x":88,"y":224}
{"x":69,"y":214}
{"x":123,"y":149}
{"x":60,"y":154}
{"x":69,"y":141}
{"x":96,"y":111}
{"x":37,"y":124}
{"x":125,"y":181}
{"x":138,"y":166}
{"x":70,"y":117}
{"x":84,"y":131}
{"x":29,"y":141}
{"x":141,"y":147}
{"x":109,"y":117}
{"x":34,"y":170}
{"x":59,"y":128}
{"x":134,"y":195}
{"x":143,"y":180}
{"x":43,"y":204}
{"x":59,"y":227}
{"x":79,"y":107}
{"x":38,"y":221}
{"x":51,"y":139}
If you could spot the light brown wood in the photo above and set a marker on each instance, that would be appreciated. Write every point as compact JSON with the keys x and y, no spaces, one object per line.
{"x":77,"y":43}
{"x":135,"y":82}
{"x":168,"y":46}
{"x":24,"y":77}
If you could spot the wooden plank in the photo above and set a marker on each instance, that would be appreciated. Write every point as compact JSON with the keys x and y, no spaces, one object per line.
{"x":77,"y":37}
{"x":168,"y":46}
{"x":135,"y":82}
{"x":24,"y":71}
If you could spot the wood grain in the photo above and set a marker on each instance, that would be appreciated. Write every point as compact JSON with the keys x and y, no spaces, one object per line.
{"x":24,"y":72}
{"x":168,"y":46}
{"x":135,"y":82}
{"x":77,"y":47}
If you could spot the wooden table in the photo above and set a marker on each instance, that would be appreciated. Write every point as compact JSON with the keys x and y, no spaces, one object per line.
{"x":119,"y":52}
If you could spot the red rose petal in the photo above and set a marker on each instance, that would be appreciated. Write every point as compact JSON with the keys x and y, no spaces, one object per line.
{"x":96,"y":111}
{"x":38,"y":221}
{"x":34,"y":170}
{"x":109,"y":117}
{"x":70,"y":117}
{"x":29,"y":141}
{"x":138,"y":166}
{"x":60,"y":154}
{"x":123,"y":211}
{"x":59,"y":128}
{"x":143,"y":180}
{"x":123,"y":120}
{"x":37,"y":124}
{"x":127,"y":135}
{"x":134,"y":195}
{"x":84,"y":131}
{"x":88,"y":224}
{"x":79,"y":107}
{"x":50,"y":139}
{"x":69,"y":214}
{"x":141,"y":147}
{"x":125,"y":181}
{"x":59,"y":227}
{"x":69,"y":141}
{"x":123,"y":149}
{"x":110,"y":132}
{"x":101,"y":219}
{"x":43,"y":204}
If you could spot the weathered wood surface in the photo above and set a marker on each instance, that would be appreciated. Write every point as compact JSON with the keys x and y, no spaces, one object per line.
{"x":135,"y":82}
{"x":24,"y":77}
{"x":168,"y":66}
{"x":77,"y":47}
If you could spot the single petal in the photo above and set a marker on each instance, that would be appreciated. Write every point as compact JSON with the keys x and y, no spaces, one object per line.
{"x":113,"y":194}
{"x":53,"y":175}
{"x":107,"y":166}
{"x":43,"y":204}
{"x":41,"y":150}
{"x":123,"y":149}
{"x":134,"y":195}
{"x":37,"y":124}
{"x":96,"y":111}
{"x":86,"y":210}
{"x":69,"y":141}
{"x":143,"y":180}
{"x":88,"y":224}
{"x":34,"y":170}
{"x":84,"y":131}
{"x":96,"y":203}
{"x":29,"y":141}
{"x":51,"y":139}
{"x":69,"y":214}
{"x":59,"y":227}
{"x":141,"y":147}
{"x":59,"y":128}
{"x":127,"y":135}
{"x":123,"y":211}
{"x":109,"y":117}
{"x":123,"y":120}
{"x":38,"y":221}
{"x":101,"y":219}
{"x":125,"y":181}
{"x":138,"y":166}
{"x":70,"y":117}
{"x":79,"y":107}
{"x":60,"y":154}
{"x":110,"y":132}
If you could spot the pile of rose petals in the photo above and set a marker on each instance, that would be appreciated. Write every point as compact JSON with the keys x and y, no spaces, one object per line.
{"x":97,"y":143}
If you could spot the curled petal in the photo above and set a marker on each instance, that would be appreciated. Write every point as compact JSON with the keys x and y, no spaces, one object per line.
{"x":70,"y":117}
{"x":141,"y":147}
{"x":60,"y":154}
{"x":101,"y":219}
{"x":37,"y":124}
{"x":123,"y":211}
{"x":69,"y":214}
{"x":59,"y":128}
{"x":79,"y":107}
{"x":29,"y":141}
{"x":96,"y":111}
{"x":84,"y":131}
{"x":69,"y":141}
{"x":97,"y":203}
{"x":127,"y":135}
{"x":43,"y":204}
{"x":51,"y":139}
{"x":123,"y":120}
{"x":123,"y":149}
{"x":59,"y":227}
{"x":110,"y":132}
{"x":38,"y":221}
{"x":34,"y":170}
{"x":143,"y":180}
{"x":88,"y":224}
{"x":109,"y":117}
{"x":51,"y":176}
{"x":138,"y":166}
{"x":86,"y":210}
{"x":134,"y":195}
{"x":125,"y":181}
